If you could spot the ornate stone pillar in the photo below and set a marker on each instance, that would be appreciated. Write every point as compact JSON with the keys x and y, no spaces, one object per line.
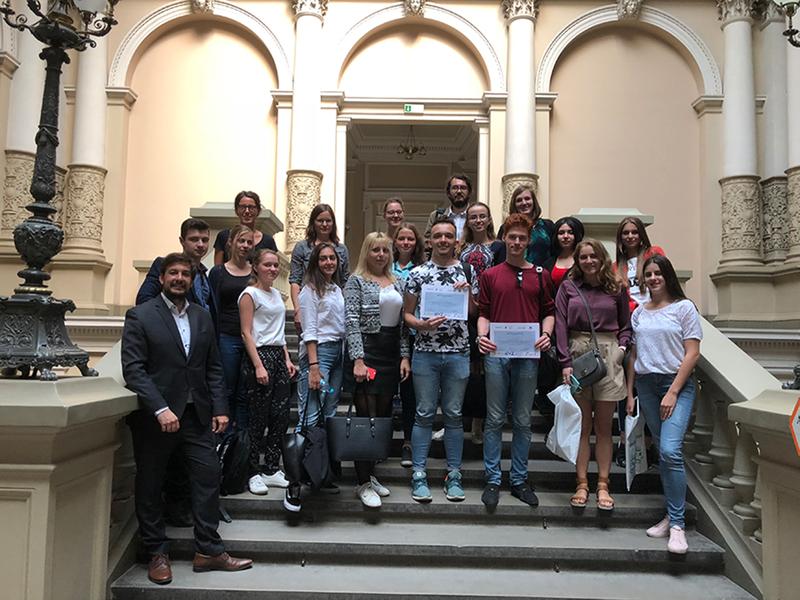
{"x":340,"y":192}
{"x":520,"y":147}
{"x":741,"y":193}
{"x":304,"y":180}
{"x":774,"y":139}
{"x":793,"y":133}
{"x":481,"y":125}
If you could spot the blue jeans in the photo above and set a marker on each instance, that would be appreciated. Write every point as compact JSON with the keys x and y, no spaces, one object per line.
{"x":514,"y":379}
{"x":439,"y":375}
{"x":231,"y":351}
{"x":331,"y":364}
{"x":668,"y":435}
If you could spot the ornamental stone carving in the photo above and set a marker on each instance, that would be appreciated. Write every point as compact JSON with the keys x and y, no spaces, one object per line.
{"x":304,"y":195}
{"x":741,"y":220}
{"x":776,"y":240}
{"x":83,"y":224}
{"x":767,"y":11}
{"x":793,"y":210}
{"x":629,"y":9}
{"x":203,"y":6}
{"x":731,"y":10}
{"x":19,"y":172}
{"x":520,"y":8}
{"x":58,"y":199}
{"x":414,"y":7}
{"x":512,"y":181}
{"x":315,"y":7}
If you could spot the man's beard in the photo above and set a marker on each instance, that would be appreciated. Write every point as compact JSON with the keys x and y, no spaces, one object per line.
{"x":175,"y":298}
{"x":459,"y":202}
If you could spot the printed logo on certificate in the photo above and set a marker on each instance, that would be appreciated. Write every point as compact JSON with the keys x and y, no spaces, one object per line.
{"x":515,"y":340}
{"x":443,"y":301}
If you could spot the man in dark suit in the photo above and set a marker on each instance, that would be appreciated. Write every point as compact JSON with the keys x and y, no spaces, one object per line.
{"x":170,"y":360}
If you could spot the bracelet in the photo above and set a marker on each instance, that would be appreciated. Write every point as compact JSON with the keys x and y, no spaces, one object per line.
{"x":313,"y":363}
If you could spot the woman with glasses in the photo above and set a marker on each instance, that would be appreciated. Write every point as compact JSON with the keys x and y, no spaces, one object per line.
{"x":394,"y":214}
{"x":247,"y":206}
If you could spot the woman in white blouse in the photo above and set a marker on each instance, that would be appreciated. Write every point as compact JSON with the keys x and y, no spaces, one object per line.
{"x":667,"y":334}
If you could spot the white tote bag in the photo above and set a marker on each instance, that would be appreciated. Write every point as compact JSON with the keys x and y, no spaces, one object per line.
{"x":565,"y":436}
{"x":635,"y":452}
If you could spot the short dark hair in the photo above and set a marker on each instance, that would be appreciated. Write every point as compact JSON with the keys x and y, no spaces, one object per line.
{"x":246,"y":194}
{"x":175,"y":258}
{"x":463,"y":177}
{"x":443,"y":219}
{"x":192,"y":223}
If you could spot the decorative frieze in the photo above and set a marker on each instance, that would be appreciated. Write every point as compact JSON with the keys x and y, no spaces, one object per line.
{"x":776,"y":240}
{"x":203,"y":6}
{"x":734,"y":10}
{"x":520,"y":8}
{"x":741,"y":220}
{"x":19,"y":172}
{"x":304,"y":194}
{"x":83,"y":224}
{"x":512,"y":181}
{"x":314,"y":7}
{"x":629,"y":9}
{"x":414,"y":7}
{"x":793,"y":210}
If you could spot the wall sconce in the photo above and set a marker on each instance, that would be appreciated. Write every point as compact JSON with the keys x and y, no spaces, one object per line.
{"x":790,"y":8}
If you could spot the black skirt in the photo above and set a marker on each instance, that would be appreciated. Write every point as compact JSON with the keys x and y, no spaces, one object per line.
{"x":382,"y":353}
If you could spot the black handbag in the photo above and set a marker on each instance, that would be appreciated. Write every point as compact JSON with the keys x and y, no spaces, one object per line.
{"x":358,"y":438}
{"x":589,"y":367}
{"x":305,"y":454}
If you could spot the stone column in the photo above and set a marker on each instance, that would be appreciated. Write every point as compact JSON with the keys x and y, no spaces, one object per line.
{"x":520,"y":147}
{"x":793,"y":133}
{"x":741,"y":194}
{"x":340,"y":192}
{"x":481,"y":125}
{"x":304,"y":179}
{"x":774,"y":184}
{"x":23,"y":117}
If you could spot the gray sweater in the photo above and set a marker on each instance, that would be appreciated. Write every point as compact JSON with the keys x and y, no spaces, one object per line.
{"x":362,"y":314}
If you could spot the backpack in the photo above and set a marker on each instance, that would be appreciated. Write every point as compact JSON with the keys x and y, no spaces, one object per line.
{"x":233,"y":451}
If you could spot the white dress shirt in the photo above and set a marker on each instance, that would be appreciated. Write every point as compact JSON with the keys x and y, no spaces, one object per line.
{"x":181,"y":318}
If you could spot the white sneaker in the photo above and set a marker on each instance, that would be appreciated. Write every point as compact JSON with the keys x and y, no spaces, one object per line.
{"x":438,"y":436}
{"x":677,"y":541}
{"x":379,"y":488}
{"x":368,"y":496}
{"x":660,"y":529}
{"x":257,"y":486}
{"x":277,"y":479}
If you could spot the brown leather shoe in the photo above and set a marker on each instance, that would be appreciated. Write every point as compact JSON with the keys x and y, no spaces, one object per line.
{"x":221,"y":562}
{"x":159,"y":571}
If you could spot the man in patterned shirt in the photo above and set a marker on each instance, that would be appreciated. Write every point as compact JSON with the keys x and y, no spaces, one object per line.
{"x":440,"y":363}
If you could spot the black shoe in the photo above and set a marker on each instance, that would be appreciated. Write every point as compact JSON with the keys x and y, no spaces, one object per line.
{"x":491,"y":496}
{"x":291,"y":500}
{"x":525,"y":493}
{"x":620,"y":459}
{"x":329,"y":488}
{"x":405,"y":456}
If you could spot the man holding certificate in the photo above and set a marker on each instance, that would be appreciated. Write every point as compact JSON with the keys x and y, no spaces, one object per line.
{"x":515,"y":322}
{"x":440,"y":287}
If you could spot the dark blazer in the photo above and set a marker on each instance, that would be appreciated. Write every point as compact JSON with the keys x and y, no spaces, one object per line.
{"x":151,"y":286}
{"x":156,"y":368}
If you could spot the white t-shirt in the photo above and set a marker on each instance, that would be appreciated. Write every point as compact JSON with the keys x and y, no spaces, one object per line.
{"x":269,"y":317}
{"x":390,"y":306}
{"x":659,"y":335}
{"x":639,"y":293}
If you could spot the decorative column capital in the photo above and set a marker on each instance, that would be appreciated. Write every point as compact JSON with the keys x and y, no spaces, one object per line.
{"x":414,"y":7}
{"x":629,"y":9}
{"x":736,"y":10}
{"x":766,"y":11}
{"x":304,"y":194}
{"x":317,"y":8}
{"x":513,"y":9}
{"x":741,"y":221}
{"x":203,"y":6}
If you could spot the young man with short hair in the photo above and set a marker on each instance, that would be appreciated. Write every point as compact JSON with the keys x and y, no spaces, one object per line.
{"x":440,"y":363}
{"x":514,"y":291}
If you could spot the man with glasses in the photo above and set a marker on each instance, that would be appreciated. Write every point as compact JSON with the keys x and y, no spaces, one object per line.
{"x":459,"y":192}
{"x":514,"y":291}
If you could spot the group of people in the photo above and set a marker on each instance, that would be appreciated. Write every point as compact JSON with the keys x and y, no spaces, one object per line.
{"x":202,"y":348}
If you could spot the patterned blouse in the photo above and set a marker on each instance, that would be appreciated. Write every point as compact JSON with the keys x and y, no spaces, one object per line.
{"x":362,"y":314}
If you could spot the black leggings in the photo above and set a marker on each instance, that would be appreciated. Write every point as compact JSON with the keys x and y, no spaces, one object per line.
{"x":368,"y":405}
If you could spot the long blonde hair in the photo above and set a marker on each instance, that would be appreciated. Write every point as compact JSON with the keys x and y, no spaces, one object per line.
{"x":373,"y":239}
{"x":606,"y":276}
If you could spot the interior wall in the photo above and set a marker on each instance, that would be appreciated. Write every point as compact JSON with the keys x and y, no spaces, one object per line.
{"x":202,"y":129}
{"x":625,"y":135}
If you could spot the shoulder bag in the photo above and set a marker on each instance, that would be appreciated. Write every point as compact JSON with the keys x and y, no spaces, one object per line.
{"x":305,"y":454}
{"x":589,"y":367}
{"x":358,"y":438}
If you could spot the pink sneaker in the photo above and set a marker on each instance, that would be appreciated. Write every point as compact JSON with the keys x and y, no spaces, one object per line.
{"x":677,"y":541}
{"x":660,"y":529}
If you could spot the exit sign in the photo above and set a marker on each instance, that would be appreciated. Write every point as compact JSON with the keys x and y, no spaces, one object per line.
{"x":413,"y":109}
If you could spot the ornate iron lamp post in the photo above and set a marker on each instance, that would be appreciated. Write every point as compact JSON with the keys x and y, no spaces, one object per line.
{"x":33,"y":335}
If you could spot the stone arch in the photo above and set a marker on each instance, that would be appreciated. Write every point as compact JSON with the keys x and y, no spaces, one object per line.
{"x":143,"y":30}
{"x":678,"y":32}
{"x":439,"y":16}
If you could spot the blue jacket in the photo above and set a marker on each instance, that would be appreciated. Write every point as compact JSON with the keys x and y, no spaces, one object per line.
{"x":151,"y":286}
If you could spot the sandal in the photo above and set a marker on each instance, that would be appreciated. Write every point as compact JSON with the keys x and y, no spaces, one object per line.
{"x":606,"y":502}
{"x":581,"y":495}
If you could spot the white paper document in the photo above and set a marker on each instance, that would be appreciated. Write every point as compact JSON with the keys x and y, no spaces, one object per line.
{"x":443,"y":301}
{"x":515,"y":340}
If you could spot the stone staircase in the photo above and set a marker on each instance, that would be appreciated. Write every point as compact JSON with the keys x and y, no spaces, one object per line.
{"x":337,"y":549}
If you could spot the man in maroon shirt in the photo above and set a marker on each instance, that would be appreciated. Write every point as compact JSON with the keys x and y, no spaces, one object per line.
{"x":512,"y":292}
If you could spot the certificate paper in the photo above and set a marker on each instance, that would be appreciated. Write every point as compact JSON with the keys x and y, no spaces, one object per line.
{"x":515,"y":340}
{"x":443,"y":301}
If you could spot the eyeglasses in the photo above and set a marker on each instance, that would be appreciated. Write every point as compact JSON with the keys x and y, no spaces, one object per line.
{"x":248,"y":208}
{"x":519,"y":278}
{"x":458,"y":187}
{"x":394,"y":213}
